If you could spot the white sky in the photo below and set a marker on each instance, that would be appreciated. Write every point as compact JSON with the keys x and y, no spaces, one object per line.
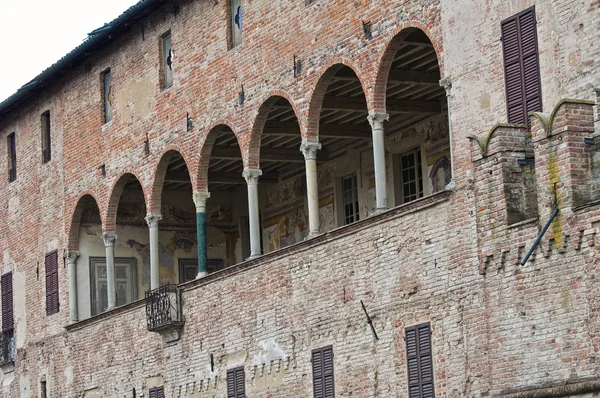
{"x":37,"y":33}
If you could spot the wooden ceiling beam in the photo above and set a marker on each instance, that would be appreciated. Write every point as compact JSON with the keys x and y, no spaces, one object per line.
{"x":349,"y":131}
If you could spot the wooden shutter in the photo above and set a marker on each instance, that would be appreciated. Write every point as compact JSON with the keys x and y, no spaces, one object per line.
{"x":157,"y":392}
{"x":236,"y":383}
{"x":521,"y":66}
{"x":52,"y":299}
{"x":7,"y":302}
{"x":323,"y":381}
{"x":419,"y":362}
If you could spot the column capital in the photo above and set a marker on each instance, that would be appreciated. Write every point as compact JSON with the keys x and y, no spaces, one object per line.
{"x":446,"y":84}
{"x":152,"y":219}
{"x":251,"y":175}
{"x":109,"y":239}
{"x":376,"y":119}
{"x":200,"y":200}
{"x":71,"y":255}
{"x":309,"y":149}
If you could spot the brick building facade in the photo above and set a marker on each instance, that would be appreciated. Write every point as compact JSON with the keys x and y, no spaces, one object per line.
{"x":322,"y":198}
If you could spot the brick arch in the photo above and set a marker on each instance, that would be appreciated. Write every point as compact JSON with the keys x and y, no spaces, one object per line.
{"x":259,"y":124}
{"x":110,"y":213}
{"x":156,"y":188}
{"x":318,"y":93}
{"x":387,"y":57}
{"x":72,"y":225}
{"x":206,"y":149}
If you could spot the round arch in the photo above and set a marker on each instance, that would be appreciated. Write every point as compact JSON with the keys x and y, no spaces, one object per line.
{"x":84,"y":199}
{"x":110,"y":214}
{"x":155,"y":200}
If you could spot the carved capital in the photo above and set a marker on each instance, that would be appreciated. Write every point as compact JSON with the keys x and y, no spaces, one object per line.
{"x":446,"y":84}
{"x":376,"y":120}
{"x":309,"y":149}
{"x":200,"y":201}
{"x":71,"y":256}
{"x":251,"y":175}
{"x":109,"y":239}
{"x":153,"y":219}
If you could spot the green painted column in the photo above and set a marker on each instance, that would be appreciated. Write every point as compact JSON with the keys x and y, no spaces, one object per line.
{"x":200,"y":201}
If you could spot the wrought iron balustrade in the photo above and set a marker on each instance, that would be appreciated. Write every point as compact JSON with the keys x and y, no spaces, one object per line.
{"x":7,"y":347}
{"x":163,"y":308}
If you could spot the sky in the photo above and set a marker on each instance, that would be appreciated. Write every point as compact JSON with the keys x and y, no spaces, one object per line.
{"x":40,"y":32}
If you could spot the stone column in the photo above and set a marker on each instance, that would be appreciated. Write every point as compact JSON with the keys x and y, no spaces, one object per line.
{"x":376,"y":121}
{"x":71,"y":257}
{"x":152,"y":220}
{"x":309,"y":149}
{"x":109,"y":242}
{"x":200,"y":202}
{"x":251,"y":176}
{"x":447,"y":85}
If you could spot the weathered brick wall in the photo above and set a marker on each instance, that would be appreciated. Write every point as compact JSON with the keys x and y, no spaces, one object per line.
{"x":496,"y":325}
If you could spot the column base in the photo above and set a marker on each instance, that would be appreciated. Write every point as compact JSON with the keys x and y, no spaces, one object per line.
{"x":253,"y":256}
{"x":450,"y":185}
{"x":73,"y":321}
{"x":201,"y":275}
{"x":313,"y":234}
{"x":110,"y":308}
{"x":377,"y":212}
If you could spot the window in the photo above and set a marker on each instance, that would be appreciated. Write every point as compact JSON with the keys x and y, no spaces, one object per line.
{"x":167,"y":60}
{"x":411,"y":173}
{"x":521,"y":66}
{"x":107,"y":96}
{"x":125,"y":282}
{"x":322,"y":364}
{"x":52,"y":302}
{"x":157,"y":392}
{"x":188,"y":268}
{"x":236,"y":22}
{"x":43,"y":389}
{"x":46,"y":143}
{"x":236,"y":387}
{"x":12,"y":157}
{"x":7,"y":353}
{"x":419,"y":361}
{"x":350,"y":198}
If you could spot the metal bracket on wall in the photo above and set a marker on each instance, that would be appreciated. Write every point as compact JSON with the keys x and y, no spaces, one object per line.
{"x":369,"y":320}
{"x":543,"y":231}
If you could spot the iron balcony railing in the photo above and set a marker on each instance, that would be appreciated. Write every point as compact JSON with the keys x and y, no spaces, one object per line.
{"x":163,"y":308}
{"x":7,"y":347}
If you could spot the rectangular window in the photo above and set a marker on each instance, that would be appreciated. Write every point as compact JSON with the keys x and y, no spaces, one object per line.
{"x":350,"y":198}
{"x":52,"y":301}
{"x":12,"y":157}
{"x":46,"y":142}
{"x":167,"y":60}
{"x":107,"y":96}
{"x":236,"y":22}
{"x":322,"y":364}
{"x":125,"y":282}
{"x":419,"y":361}
{"x":521,"y":66}
{"x":157,"y":392}
{"x":411,"y":173}
{"x":236,"y":383}
{"x":188,"y":268}
{"x":7,"y":346}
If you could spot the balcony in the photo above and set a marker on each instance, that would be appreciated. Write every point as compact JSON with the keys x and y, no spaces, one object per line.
{"x":7,"y":347}
{"x":163,"y":309}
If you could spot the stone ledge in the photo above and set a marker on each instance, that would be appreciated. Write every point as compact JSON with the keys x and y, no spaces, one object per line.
{"x":105,"y":315}
{"x":569,"y":388}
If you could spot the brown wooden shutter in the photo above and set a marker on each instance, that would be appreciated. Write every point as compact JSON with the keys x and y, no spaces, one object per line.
{"x":7,"y":302}
{"x":419,"y":362}
{"x":521,"y":66}
{"x":236,"y":383}
{"x":52,"y":299}
{"x":157,"y":392}
{"x":323,"y":380}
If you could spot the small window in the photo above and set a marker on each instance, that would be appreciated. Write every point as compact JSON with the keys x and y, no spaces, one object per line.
{"x":412,"y":176}
{"x":419,"y":361}
{"x":52,"y":299}
{"x":350,"y":198}
{"x":46,"y":140}
{"x":7,"y":347}
{"x":236,"y":22}
{"x":521,"y":66}
{"x":236,"y":383}
{"x":157,"y":392}
{"x":322,"y":365}
{"x":188,"y":268}
{"x":125,"y":282}
{"x":43,"y":389}
{"x":167,"y":60}
{"x":12,"y":157}
{"x":107,"y":96}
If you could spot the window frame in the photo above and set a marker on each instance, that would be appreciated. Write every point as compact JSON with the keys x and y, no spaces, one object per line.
{"x":235,"y":40}
{"x":323,"y":373}
{"x":11,"y":145}
{"x":95,"y":292}
{"x":353,"y":177}
{"x":212,"y":265}
{"x":46,"y":127}
{"x":420,"y":173}
{"x":234,"y":374}
{"x":107,"y":95}
{"x":52,"y":283}
{"x":156,"y":392}
{"x":418,"y":355}
{"x":166,"y":69}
